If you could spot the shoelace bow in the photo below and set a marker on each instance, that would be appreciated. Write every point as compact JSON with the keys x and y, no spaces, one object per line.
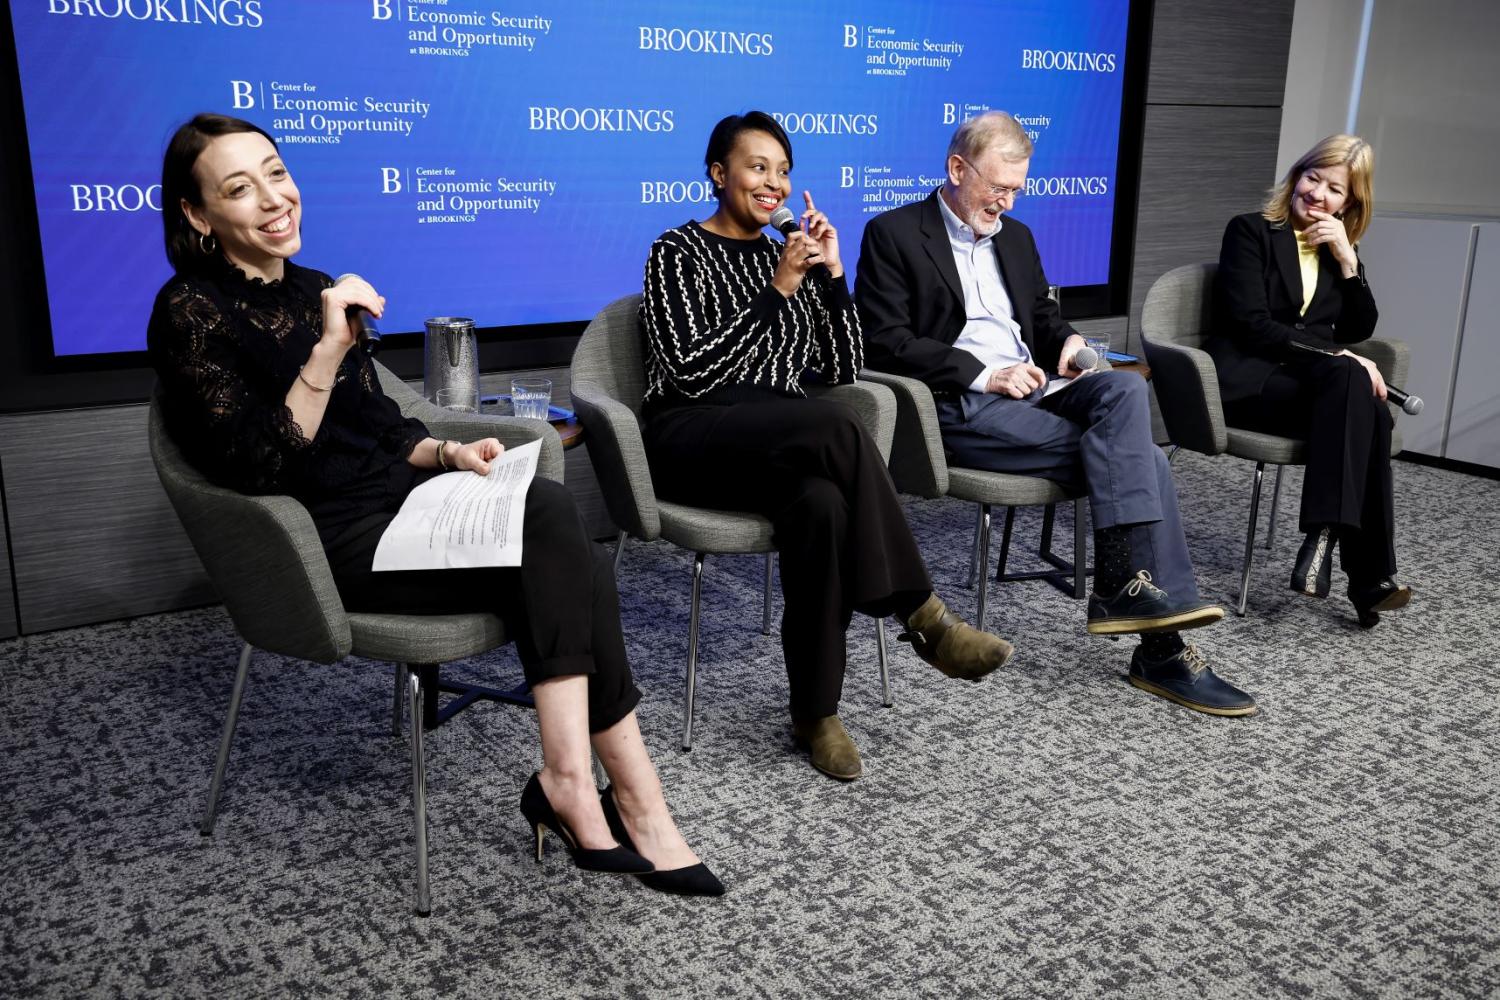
{"x":1142,"y":581}
{"x":1194,"y":659}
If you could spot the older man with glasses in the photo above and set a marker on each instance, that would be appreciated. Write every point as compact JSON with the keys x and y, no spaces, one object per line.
{"x":952,"y":294}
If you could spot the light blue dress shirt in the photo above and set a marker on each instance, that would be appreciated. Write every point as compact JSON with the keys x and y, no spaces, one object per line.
{"x":991,"y":332}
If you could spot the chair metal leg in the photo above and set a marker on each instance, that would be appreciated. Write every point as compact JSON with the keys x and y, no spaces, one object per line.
{"x":210,"y":812}
{"x":765,"y":614}
{"x":1275,"y":504}
{"x":1005,"y":535}
{"x":885,"y":667}
{"x":396,"y":704}
{"x":984,"y":563}
{"x":1260,"y":471}
{"x":692,"y":665}
{"x":974,"y":549}
{"x":619,"y":550}
{"x":1049,"y":519}
{"x":1080,"y":548}
{"x":419,"y":789}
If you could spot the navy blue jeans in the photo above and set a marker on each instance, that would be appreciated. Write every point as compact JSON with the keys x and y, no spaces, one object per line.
{"x":1095,"y":434}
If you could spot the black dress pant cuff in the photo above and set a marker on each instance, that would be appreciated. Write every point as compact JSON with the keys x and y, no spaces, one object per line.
{"x":602,"y":717}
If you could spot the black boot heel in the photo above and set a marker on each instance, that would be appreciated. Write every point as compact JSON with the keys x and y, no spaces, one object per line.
{"x":1312,"y":574}
{"x":539,"y":813}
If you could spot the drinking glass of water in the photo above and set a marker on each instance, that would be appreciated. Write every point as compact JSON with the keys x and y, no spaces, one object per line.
{"x":531,"y":397}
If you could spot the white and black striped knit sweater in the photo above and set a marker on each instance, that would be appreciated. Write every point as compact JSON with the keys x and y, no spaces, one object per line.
{"x":714,"y":321}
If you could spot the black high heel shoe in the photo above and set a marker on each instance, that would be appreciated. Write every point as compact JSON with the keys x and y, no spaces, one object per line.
{"x":538,"y":812}
{"x":1383,"y":595}
{"x":694,"y":880}
{"x":1312,"y":574}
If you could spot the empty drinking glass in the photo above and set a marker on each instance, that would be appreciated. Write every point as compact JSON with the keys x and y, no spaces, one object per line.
{"x":460,"y":399}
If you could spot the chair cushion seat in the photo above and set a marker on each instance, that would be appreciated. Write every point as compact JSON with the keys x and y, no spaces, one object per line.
{"x":1273,"y":448}
{"x":721,"y":531}
{"x":1005,"y":489}
{"x":424,"y":638}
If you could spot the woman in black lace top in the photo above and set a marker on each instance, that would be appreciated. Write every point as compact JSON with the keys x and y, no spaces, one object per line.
{"x":260,"y":388}
{"x":735,"y":322}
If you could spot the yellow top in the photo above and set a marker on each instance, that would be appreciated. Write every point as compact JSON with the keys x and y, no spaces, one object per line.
{"x":1307,"y":257}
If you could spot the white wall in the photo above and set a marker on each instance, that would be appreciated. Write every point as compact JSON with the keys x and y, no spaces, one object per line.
{"x":1319,"y":74}
{"x":1429,"y":101}
{"x":1430,"y":106}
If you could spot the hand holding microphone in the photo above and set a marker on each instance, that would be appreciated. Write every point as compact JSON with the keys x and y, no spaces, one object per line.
{"x":361,"y":321}
{"x":812,"y":252}
{"x":1085,"y":359}
{"x":1408,"y":403}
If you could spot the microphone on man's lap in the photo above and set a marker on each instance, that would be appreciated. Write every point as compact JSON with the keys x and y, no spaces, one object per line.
{"x":786,"y":224}
{"x":1085,"y":359}
{"x":366,"y":332}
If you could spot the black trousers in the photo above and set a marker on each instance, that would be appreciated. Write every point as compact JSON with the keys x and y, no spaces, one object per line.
{"x":560,"y":604}
{"x":811,"y":468}
{"x":1329,"y":402}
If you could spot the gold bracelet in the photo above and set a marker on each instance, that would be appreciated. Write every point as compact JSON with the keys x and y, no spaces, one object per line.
{"x":315,"y":388}
{"x":442,"y":463}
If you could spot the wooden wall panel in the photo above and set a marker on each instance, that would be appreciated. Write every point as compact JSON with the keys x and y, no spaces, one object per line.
{"x":1200,"y":167}
{"x":93,"y":535}
{"x":1220,"y":53}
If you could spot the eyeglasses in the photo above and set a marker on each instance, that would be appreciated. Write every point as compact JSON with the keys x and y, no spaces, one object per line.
{"x":996,"y":190}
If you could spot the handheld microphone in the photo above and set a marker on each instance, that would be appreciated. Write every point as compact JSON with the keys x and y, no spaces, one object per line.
{"x":1408,"y":403}
{"x":1085,"y":359}
{"x":366,"y":332}
{"x":786,"y":224}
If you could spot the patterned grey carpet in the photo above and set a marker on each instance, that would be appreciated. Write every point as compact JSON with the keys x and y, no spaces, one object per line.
{"x":1050,"y":832}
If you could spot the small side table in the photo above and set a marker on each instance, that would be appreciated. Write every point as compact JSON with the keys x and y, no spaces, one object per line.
{"x":565,"y":422}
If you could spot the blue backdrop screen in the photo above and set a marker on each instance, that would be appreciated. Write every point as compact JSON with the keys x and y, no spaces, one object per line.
{"x":512,"y":161}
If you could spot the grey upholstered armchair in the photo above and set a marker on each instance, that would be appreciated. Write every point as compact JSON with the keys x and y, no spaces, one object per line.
{"x":1175,"y":321}
{"x":608,"y":383}
{"x":920,"y":466}
{"x":275,"y":582}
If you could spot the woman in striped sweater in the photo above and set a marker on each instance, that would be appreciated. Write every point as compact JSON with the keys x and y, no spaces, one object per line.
{"x":735,"y":323}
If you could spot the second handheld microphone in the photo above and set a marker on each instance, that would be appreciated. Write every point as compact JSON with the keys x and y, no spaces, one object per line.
{"x":786,"y":224}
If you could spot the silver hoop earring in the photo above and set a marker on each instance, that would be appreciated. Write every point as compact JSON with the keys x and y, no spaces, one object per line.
{"x":208,"y":243}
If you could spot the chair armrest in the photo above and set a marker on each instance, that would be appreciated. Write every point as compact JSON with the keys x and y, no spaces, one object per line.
{"x":511,"y":431}
{"x":619,"y":458}
{"x":1187,"y":390}
{"x":918,"y":463}
{"x":453,"y":425}
{"x":875,"y":404}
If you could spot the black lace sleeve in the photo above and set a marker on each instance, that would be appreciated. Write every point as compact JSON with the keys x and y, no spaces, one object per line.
{"x":223,"y":406}
{"x":398,"y":434}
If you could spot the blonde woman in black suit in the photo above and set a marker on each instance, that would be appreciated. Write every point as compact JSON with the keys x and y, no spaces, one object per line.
{"x":1290,"y":295}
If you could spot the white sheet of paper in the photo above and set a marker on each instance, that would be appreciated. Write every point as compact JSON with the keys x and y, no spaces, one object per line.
{"x":461,"y":520}
{"x":1060,"y":383}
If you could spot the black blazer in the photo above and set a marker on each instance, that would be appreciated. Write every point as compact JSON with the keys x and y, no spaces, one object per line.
{"x":1258,"y":323}
{"x":911,"y":304}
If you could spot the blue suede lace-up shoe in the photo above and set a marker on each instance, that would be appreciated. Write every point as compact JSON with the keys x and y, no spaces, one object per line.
{"x":1142,"y":606}
{"x":1186,"y":678}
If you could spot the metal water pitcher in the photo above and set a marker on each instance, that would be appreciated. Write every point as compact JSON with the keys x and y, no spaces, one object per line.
{"x":452,"y":358}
